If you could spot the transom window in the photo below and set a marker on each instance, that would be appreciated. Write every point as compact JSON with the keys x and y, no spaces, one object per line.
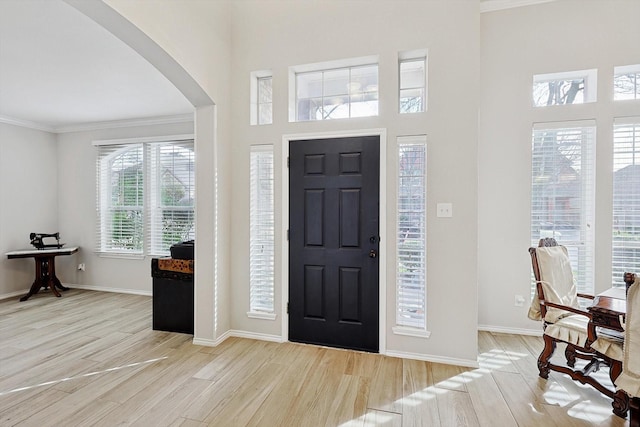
{"x":412,"y":95}
{"x":626,"y":82}
{"x":261,"y":98}
{"x":335,"y":92}
{"x":574,"y":87}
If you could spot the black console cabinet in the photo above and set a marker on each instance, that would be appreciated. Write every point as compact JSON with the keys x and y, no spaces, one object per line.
{"x":172,"y":300}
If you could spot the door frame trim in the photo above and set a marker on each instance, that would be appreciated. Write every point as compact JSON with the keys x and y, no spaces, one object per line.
{"x":383,"y":247}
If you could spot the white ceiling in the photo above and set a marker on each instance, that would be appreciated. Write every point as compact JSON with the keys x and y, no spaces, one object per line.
{"x":59,"y":70}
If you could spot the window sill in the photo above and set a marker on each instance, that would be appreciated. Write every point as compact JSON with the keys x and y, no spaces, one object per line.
{"x":261,"y":315}
{"x":411,"y":332}
{"x":120,"y":255}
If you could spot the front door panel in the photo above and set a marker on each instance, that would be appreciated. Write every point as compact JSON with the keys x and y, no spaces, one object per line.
{"x":333,"y":242}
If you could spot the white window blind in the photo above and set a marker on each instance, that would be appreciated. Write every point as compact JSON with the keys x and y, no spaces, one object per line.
{"x":145,"y":196}
{"x":411,"y":274}
{"x":562,"y":192}
{"x":262,"y":230}
{"x":171,"y":210}
{"x":626,"y":198}
{"x":120,"y":199}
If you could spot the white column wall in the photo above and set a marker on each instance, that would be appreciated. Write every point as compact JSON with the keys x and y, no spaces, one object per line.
{"x":197,"y":34}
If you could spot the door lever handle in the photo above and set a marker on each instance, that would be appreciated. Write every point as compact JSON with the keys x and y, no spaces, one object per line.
{"x":373,"y":253}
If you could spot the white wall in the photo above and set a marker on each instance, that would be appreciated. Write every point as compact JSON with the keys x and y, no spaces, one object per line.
{"x":277,"y":34}
{"x":516,"y":44}
{"x":197,"y":34}
{"x":77,"y":211}
{"x":28,"y":199}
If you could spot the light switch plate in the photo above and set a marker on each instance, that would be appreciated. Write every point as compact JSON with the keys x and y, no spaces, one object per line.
{"x":444,"y":210}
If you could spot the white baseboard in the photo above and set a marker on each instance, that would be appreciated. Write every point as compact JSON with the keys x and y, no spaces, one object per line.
{"x":514,"y":331}
{"x":115,"y":290}
{"x":256,"y":336}
{"x":207,"y":343}
{"x":13,"y":294}
{"x":469,"y":363}
{"x":89,"y":288}
{"x":239,"y":334}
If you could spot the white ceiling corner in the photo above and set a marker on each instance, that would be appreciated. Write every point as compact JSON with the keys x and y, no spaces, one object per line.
{"x":59,"y":70}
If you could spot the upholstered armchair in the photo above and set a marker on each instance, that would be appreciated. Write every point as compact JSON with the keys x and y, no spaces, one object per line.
{"x":556,"y":304}
{"x":629,"y":379}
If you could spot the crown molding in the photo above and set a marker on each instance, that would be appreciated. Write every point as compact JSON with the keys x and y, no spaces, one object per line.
{"x":152,"y":121}
{"x":494,"y":5}
{"x":181,"y":118}
{"x":26,"y":124}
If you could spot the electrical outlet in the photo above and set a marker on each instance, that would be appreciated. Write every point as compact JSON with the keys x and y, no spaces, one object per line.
{"x":519,"y":301}
{"x":444,"y":210}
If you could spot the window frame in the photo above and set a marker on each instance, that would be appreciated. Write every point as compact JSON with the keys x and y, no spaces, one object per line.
{"x":407,"y":57}
{"x":582,"y":262}
{"x":630,"y":212}
{"x":589,"y":91}
{"x":623,"y":71}
{"x":255,"y":118}
{"x":262,"y":281}
{"x":330,"y":66}
{"x":107,"y":151}
{"x":403,"y":325}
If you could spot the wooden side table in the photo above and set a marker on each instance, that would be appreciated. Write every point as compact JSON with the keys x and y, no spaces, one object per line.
{"x":45,"y":268}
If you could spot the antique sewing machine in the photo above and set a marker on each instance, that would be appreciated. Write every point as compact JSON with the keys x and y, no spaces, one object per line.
{"x":38,"y":240}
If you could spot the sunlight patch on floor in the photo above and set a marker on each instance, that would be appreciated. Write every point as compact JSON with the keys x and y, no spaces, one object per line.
{"x":555,"y":394}
{"x":90,"y":374}
{"x":496,"y":358}
{"x":586,"y":410}
{"x":488,"y":362}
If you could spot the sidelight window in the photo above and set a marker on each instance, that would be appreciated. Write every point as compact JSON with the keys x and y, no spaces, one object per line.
{"x":262,"y":233}
{"x":411,"y":239}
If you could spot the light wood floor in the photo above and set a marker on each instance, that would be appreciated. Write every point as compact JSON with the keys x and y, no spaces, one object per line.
{"x":91,"y":358}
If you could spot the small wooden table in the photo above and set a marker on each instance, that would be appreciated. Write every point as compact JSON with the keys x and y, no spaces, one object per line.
{"x":607,"y":310}
{"x":45,"y":268}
